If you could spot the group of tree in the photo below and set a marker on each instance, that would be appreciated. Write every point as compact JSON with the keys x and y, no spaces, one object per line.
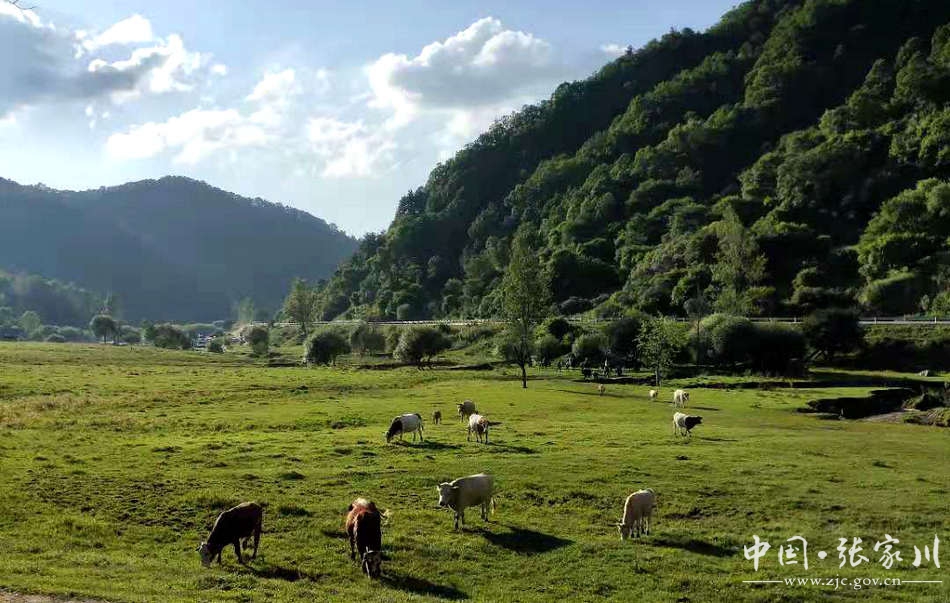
{"x":791,"y":158}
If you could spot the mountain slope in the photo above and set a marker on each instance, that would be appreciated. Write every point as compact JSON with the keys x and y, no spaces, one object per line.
{"x":738,"y":167}
{"x":172,"y":248}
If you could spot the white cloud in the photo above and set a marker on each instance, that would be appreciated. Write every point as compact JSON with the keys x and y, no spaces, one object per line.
{"x":135,"y":29}
{"x":349,"y":149}
{"x":219,"y":69}
{"x":41,"y":63}
{"x":613,"y":50}
{"x":275,"y":86}
{"x":195,"y":134}
{"x":482,"y":65}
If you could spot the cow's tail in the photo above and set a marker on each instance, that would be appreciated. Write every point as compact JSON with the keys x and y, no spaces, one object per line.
{"x":492,"y":505}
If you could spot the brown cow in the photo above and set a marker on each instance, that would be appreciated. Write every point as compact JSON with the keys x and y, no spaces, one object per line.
{"x":364,"y":527}
{"x":437,"y":417}
{"x":232,"y":526}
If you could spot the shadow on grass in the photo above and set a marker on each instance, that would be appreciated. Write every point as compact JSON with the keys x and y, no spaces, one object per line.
{"x":711,"y":439}
{"x":419,"y":586}
{"x":430,"y":445}
{"x":510,"y":448}
{"x":525,"y":542}
{"x":693,"y":545}
{"x":278,"y":572}
{"x":335,"y":534}
{"x":704,"y":408}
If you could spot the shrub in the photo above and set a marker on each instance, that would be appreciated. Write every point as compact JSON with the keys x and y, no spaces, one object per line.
{"x":55,"y":338}
{"x":169,"y":337}
{"x":72,"y":333}
{"x":548,"y":348}
{"x":897,"y":294}
{"x":366,"y":338}
{"x":323,"y":347}
{"x":558,"y":326}
{"x":732,"y":340}
{"x":590,"y":349}
{"x":622,"y":336}
{"x":258,"y":338}
{"x":130,"y":335}
{"x":776,"y":347}
{"x":833,"y":330}
{"x":418,"y":344}
{"x":575,"y":305}
{"x":216,"y":346}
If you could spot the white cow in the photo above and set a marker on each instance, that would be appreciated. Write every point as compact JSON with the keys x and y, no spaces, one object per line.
{"x":478,"y":425}
{"x":408,"y":423}
{"x":653,"y":394}
{"x":601,"y":388}
{"x":680,"y":398}
{"x":474,"y":490}
{"x":637,"y":513}
{"x":683,"y":424}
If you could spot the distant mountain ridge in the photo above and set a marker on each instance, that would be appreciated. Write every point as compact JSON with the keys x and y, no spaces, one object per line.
{"x":172,"y":248}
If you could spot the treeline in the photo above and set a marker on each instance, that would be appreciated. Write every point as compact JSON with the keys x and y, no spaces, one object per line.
{"x":794,"y":157}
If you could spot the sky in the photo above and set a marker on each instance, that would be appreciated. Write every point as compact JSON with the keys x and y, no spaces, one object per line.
{"x":336,"y":108}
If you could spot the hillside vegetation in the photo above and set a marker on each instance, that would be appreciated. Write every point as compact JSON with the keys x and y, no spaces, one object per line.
{"x":172,"y":248}
{"x":794,"y":156}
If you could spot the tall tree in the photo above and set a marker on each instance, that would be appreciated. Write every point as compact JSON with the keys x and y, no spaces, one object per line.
{"x":658,"y":343}
{"x":739,"y":265}
{"x":525,"y":295}
{"x":301,"y":305}
{"x":245,"y":310}
{"x":103,"y":326}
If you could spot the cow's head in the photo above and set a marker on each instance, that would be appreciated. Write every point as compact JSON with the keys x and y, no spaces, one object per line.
{"x":692,"y":421}
{"x":447,"y":494}
{"x":372,"y":563}
{"x":206,"y":555}
{"x":395,"y":428}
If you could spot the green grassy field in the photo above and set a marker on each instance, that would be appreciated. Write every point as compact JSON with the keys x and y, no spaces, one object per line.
{"x":114,"y":463}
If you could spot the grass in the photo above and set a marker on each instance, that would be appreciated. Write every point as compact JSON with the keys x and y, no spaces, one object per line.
{"x":114,"y":462}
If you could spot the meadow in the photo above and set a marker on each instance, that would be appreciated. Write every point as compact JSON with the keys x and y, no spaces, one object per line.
{"x":115,"y":461}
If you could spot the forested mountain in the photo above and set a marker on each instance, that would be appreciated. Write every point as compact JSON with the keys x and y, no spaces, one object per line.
{"x":793,"y":156}
{"x":54,"y":302}
{"x":173,"y":248}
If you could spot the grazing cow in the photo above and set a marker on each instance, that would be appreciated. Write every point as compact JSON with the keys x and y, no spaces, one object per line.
{"x":408,"y":423}
{"x":232,"y":526}
{"x":683,"y":424}
{"x":478,"y":425}
{"x":637,"y":513}
{"x":680,"y":398}
{"x":364,"y":528}
{"x":653,"y":394}
{"x":601,"y":389}
{"x":471,"y":491}
{"x":437,"y":417}
{"x":465,"y":409}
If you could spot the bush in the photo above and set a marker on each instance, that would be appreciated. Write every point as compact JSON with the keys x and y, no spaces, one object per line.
{"x":575,"y":305}
{"x":258,"y":338}
{"x":833,"y":330}
{"x":323,"y":347}
{"x":548,"y":348}
{"x":72,"y":334}
{"x":366,"y":338}
{"x":897,"y":294}
{"x":405,"y":312}
{"x":732,"y":340}
{"x":169,"y":337}
{"x":55,"y":338}
{"x":590,"y":349}
{"x":622,"y":336}
{"x":776,"y":348}
{"x":559,"y":327}
{"x":216,"y":346}
{"x":418,"y":344}
{"x":130,"y":335}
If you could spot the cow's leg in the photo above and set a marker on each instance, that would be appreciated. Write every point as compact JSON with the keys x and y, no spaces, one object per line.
{"x":237,"y":550}
{"x":257,"y":540}
{"x":221,"y":550}
{"x":350,"y":534}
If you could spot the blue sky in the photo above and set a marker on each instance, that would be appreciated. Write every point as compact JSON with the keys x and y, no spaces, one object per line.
{"x":337,"y":108}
